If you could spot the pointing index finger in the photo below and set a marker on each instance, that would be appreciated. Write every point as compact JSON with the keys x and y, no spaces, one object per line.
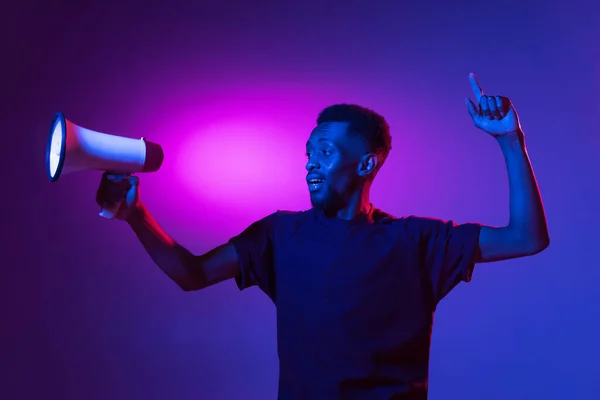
{"x":475,"y":86}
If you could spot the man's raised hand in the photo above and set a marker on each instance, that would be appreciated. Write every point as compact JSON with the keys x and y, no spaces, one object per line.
{"x":492,"y":114}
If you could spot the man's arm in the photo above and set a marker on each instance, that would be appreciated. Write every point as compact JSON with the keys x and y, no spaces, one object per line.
{"x":188,"y":271}
{"x":527,"y":231}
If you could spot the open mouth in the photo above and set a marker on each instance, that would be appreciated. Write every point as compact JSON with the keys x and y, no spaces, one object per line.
{"x":314,"y":184}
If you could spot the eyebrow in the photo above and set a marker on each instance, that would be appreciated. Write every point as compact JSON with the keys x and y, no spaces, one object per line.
{"x":319,"y":140}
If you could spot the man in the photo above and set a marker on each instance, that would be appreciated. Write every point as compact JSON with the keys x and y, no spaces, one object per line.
{"x":355,"y":288}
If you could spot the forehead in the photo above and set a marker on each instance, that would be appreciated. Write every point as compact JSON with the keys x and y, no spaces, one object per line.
{"x":335,"y":132}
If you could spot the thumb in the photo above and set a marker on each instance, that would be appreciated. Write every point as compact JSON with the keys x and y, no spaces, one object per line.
{"x":133,"y":192}
{"x":473,"y":112}
{"x":133,"y":180}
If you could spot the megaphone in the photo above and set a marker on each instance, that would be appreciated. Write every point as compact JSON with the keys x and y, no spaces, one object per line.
{"x":71,"y":148}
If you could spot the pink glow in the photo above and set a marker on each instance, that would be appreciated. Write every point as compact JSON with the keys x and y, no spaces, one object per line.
{"x":236,"y":162}
{"x":236,"y":151}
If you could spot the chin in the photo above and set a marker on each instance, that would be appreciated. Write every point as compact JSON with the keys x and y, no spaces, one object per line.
{"x":317,"y":202}
{"x":325,"y":201}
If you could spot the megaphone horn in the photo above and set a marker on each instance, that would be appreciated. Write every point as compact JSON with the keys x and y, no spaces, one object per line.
{"x":71,"y":148}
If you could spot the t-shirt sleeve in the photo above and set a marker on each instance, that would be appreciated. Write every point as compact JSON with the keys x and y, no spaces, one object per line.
{"x":447,"y":251}
{"x":254,"y":247}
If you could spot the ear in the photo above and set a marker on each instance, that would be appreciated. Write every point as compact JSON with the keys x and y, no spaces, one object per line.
{"x":367,"y":165}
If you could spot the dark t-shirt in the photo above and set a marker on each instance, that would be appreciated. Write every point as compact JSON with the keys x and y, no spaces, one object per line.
{"x":355,"y":299}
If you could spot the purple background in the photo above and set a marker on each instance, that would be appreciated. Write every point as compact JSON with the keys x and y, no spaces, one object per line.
{"x":231,"y":90}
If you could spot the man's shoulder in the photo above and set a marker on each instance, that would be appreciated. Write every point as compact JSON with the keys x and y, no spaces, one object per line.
{"x":281,"y":218}
{"x":408,"y":224}
{"x":291,"y":217}
{"x":386,"y":218}
{"x":380,"y":216}
{"x":292,"y":213}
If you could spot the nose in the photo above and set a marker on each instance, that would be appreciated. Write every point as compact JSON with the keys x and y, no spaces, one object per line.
{"x":311,"y":164}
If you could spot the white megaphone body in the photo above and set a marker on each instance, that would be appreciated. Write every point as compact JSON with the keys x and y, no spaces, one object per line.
{"x":71,"y":148}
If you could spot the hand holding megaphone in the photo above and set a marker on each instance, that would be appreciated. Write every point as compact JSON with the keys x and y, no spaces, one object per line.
{"x":117,"y":195}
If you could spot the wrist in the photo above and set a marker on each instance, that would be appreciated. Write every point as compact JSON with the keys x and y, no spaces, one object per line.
{"x":512,"y":140}
{"x":136,"y":213}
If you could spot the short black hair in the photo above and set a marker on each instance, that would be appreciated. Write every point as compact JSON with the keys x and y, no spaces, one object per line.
{"x":364,"y":122}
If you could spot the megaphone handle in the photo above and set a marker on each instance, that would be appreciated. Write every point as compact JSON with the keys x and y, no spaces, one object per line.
{"x":110,"y":212}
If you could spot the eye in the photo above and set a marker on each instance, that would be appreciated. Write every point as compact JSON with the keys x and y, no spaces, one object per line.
{"x":326,"y":152}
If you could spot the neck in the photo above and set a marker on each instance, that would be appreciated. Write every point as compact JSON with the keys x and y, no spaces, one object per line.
{"x":357,"y":205}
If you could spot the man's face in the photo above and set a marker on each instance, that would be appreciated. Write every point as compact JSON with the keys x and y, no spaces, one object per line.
{"x":333,"y":161}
